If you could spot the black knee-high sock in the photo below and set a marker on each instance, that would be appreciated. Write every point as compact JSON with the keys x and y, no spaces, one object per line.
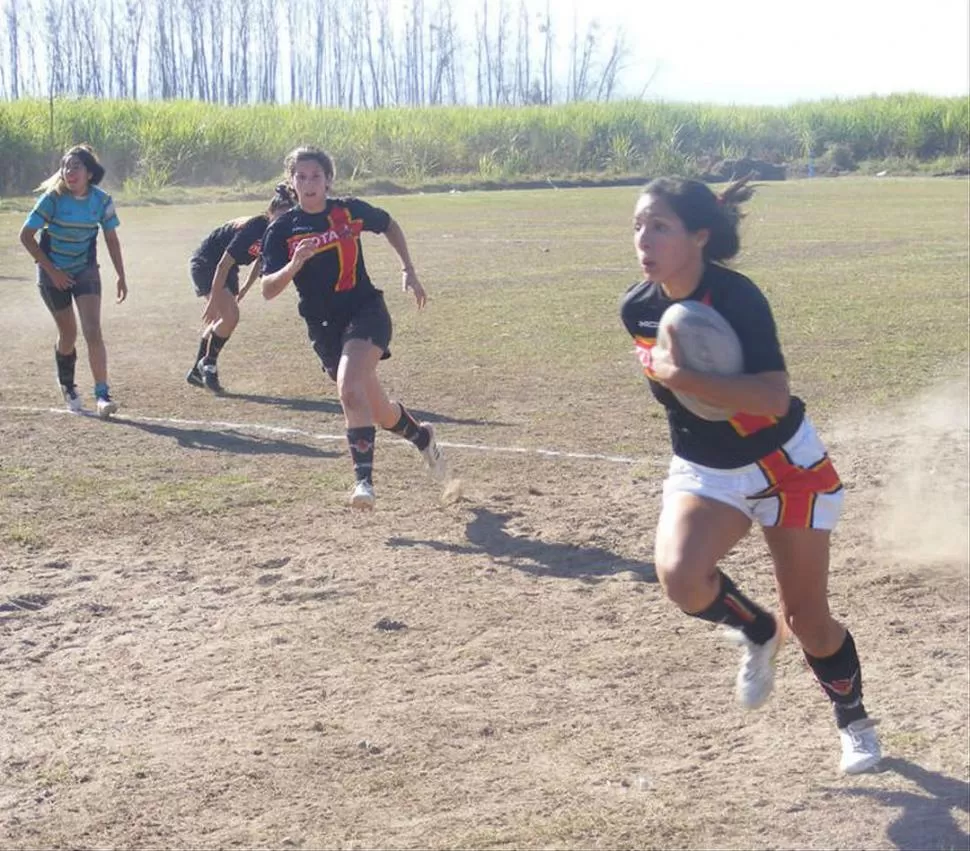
{"x":407,"y":426}
{"x":65,"y":367}
{"x":732,"y":608}
{"x":361,"y":442}
{"x":215,"y":346}
{"x":840,"y":676}
{"x":203,"y":348}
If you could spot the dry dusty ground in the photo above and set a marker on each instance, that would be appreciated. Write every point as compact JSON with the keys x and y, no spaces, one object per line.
{"x":200,"y":647}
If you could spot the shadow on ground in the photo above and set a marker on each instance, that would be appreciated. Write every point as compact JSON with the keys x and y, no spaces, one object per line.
{"x":926,"y":818}
{"x":332,"y":406}
{"x":211,"y":440}
{"x":487,"y":534}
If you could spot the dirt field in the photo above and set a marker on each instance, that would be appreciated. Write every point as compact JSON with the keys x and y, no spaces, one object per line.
{"x":201,"y":647}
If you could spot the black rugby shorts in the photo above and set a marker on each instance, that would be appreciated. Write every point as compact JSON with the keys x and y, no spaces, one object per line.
{"x":86,"y":282}
{"x":202,"y":275}
{"x":371,"y":322}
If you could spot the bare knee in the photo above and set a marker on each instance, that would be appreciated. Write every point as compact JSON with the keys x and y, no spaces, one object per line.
{"x":687,"y":585}
{"x":93,"y":336}
{"x":353,"y":397}
{"x":816,"y":630}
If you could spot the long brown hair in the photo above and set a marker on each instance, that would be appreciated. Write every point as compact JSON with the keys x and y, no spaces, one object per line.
{"x":699,"y":208}
{"x":86,"y":154}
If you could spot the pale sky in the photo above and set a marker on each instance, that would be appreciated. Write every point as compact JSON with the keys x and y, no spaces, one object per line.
{"x":761,"y":52}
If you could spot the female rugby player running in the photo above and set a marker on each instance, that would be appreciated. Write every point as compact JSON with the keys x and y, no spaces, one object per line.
{"x":765,"y":464}
{"x":317,"y":246}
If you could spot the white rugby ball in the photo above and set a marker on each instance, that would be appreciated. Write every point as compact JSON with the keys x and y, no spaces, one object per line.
{"x":708,"y":343}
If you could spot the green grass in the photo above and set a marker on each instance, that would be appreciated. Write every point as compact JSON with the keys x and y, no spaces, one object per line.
{"x":149,"y":146}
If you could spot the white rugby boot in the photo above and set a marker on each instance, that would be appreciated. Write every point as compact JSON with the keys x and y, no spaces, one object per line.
{"x":756,"y":675}
{"x":72,"y":398}
{"x":363,"y":498}
{"x":433,"y":456}
{"x":860,"y":746}
{"x":106,"y":406}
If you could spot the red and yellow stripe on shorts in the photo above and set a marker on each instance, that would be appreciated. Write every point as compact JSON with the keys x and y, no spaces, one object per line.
{"x":797,"y":488}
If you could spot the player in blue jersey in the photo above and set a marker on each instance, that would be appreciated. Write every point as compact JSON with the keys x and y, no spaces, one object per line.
{"x":68,"y":214}
{"x":764,"y":464}
{"x":214,"y":269}
{"x":317,"y":246}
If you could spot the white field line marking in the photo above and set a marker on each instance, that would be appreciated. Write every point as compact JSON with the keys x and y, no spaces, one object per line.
{"x":220,"y":425}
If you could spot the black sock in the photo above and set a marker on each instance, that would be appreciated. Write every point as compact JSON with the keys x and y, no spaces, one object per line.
{"x":203,"y":349}
{"x":732,"y":608}
{"x":65,"y":367}
{"x":215,"y":346}
{"x":361,"y":441}
{"x":840,"y":676}
{"x":409,"y":429}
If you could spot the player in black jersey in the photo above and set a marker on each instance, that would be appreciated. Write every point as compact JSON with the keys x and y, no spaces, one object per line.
{"x":764,"y":464}
{"x":317,"y":246}
{"x":214,"y":268}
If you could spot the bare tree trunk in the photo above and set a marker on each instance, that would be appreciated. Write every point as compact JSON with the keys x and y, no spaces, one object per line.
{"x":373,"y":68}
{"x":13,"y":35}
{"x":135,"y":23}
{"x":321,"y":34}
{"x":53,"y":20}
{"x":613,"y":66}
{"x":545,"y":28}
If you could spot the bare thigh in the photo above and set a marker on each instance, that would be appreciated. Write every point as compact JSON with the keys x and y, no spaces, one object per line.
{"x":356,"y":378}
{"x":693,"y":534}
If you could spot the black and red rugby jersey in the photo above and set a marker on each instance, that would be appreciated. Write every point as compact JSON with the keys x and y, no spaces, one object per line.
{"x":241,"y":238}
{"x":745,"y":437}
{"x":334,"y":282}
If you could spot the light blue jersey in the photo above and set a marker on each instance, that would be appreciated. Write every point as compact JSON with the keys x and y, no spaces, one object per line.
{"x":71,"y":224}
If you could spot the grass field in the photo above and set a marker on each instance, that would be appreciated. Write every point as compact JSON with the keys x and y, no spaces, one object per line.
{"x":190,"y":654}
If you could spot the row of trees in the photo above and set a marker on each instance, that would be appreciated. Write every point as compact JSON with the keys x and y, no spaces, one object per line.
{"x":343,"y":53}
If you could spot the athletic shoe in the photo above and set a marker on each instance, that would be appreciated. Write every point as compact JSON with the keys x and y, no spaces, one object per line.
{"x":756,"y":676}
{"x":106,"y":406}
{"x":210,"y":377}
{"x":72,"y":399}
{"x":363,"y":496}
{"x":860,"y":746}
{"x":194,"y":377}
{"x":433,"y":456}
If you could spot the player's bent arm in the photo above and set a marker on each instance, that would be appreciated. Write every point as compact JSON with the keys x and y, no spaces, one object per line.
{"x":226,"y":262}
{"x":274,"y":283}
{"x":763,"y":393}
{"x":28,"y":240}
{"x":251,"y":279}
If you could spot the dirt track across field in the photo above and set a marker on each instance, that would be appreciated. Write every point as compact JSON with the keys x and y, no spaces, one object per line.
{"x":201,"y":647}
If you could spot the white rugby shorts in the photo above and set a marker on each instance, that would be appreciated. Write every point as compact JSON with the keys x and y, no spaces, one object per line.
{"x":795,"y":486}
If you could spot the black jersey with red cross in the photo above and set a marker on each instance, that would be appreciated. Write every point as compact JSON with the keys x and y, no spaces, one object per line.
{"x":744,"y":438}
{"x":241,"y":238}
{"x":334,"y":282}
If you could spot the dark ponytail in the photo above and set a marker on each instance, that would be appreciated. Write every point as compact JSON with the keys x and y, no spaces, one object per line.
{"x":282,"y":200}
{"x":701,"y":209}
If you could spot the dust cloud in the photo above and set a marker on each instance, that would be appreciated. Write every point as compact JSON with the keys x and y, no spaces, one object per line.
{"x":913,"y":468}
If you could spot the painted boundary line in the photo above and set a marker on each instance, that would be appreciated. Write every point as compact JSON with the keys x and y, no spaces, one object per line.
{"x":289,"y":431}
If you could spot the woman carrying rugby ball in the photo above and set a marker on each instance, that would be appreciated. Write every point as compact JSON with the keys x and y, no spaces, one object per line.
{"x":763,"y":462}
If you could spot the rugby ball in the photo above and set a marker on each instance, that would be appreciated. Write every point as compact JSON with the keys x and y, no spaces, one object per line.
{"x":708,"y":343}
